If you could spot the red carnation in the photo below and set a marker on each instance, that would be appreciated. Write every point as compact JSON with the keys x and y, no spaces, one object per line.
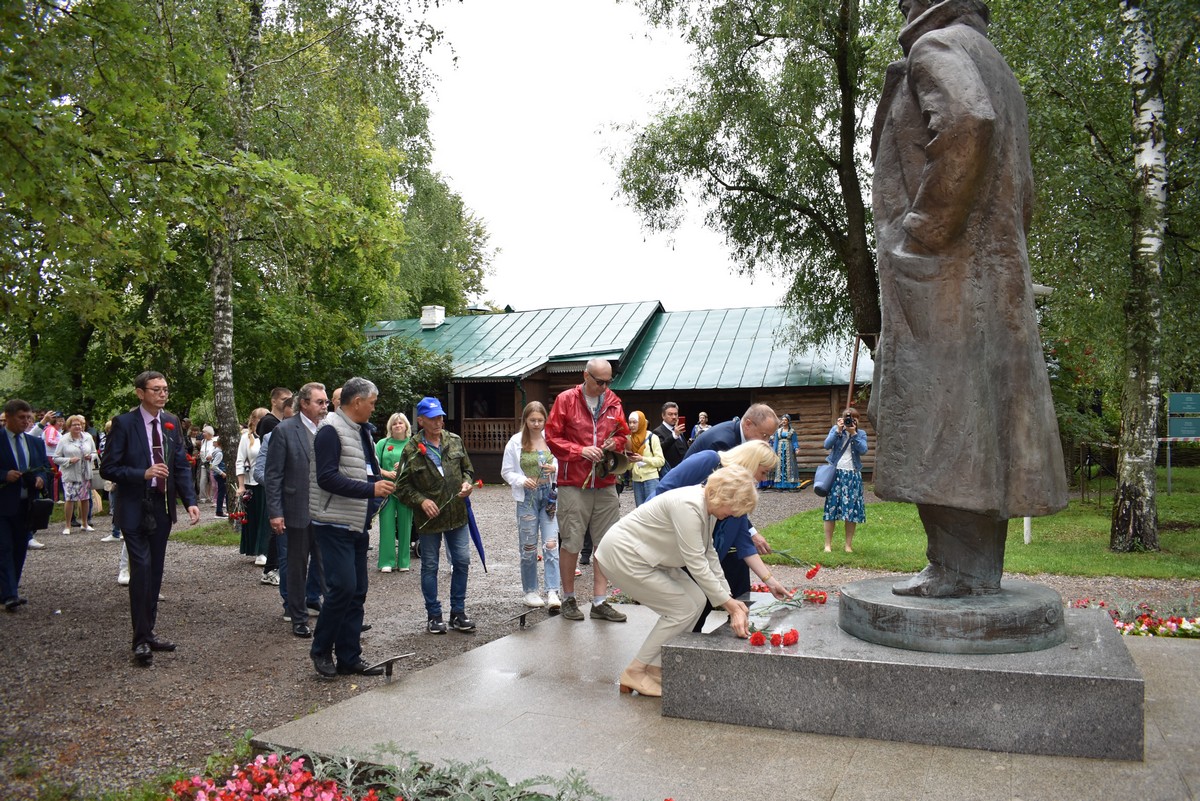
{"x":421,"y":448}
{"x":758,"y":638}
{"x":479,"y":483}
{"x":776,"y":639}
{"x":169,"y":425}
{"x":391,"y":447}
{"x":791,"y":637}
{"x":812,"y":571}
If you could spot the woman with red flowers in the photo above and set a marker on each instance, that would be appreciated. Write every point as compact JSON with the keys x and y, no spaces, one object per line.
{"x":645,"y":554}
{"x":395,"y":519}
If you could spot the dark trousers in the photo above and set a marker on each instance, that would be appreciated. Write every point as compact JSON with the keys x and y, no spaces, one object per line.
{"x":304,"y":570}
{"x":147,"y":554}
{"x":222,"y":489}
{"x":14,"y":544}
{"x":737,"y":573}
{"x":339,"y":625}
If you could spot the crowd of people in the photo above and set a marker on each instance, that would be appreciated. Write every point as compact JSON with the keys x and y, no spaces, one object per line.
{"x":312,"y":477}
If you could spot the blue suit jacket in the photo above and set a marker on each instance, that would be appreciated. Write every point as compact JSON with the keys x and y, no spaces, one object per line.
{"x":720,"y":437}
{"x":126,"y":458}
{"x":11,"y":504}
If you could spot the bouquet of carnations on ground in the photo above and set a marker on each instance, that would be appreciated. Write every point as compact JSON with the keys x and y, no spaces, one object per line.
{"x":777,"y":639}
{"x":1143,"y":621}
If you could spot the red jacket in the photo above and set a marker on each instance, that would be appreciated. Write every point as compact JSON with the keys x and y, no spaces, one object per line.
{"x":571,"y":428}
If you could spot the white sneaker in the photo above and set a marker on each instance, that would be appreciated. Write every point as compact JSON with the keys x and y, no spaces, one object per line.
{"x":533,"y":600}
{"x":123,"y":578}
{"x":88,"y":528}
{"x":260,"y":560}
{"x":34,"y":545}
{"x":385,"y":570}
{"x":66,"y":531}
{"x":110,"y":538}
{"x":552,"y":600}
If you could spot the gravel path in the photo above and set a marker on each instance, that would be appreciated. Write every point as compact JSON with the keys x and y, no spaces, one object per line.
{"x":77,"y":707}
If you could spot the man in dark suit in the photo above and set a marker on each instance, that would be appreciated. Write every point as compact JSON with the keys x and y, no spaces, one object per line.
{"x":24,"y":470}
{"x":673,"y":436}
{"x":759,"y":422}
{"x":286,"y":477}
{"x":146,"y":459}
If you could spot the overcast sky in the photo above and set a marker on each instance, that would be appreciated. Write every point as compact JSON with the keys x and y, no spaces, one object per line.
{"x":521,"y":128}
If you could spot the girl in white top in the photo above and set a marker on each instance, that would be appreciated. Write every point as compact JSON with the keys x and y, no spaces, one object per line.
{"x":529,"y":468}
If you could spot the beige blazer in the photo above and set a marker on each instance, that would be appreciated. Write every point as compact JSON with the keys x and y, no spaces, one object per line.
{"x":670,"y":530}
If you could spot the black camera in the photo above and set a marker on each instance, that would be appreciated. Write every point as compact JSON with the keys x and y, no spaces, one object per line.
{"x":849,"y":422}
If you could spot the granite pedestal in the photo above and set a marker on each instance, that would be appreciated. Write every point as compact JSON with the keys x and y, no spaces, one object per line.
{"x":1080,"y":698}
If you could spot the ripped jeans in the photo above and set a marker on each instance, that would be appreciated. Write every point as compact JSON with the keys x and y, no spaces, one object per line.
{"x":536,"y":528}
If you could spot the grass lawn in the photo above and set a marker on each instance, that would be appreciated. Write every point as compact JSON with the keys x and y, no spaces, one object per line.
{"x":1073,"y":542}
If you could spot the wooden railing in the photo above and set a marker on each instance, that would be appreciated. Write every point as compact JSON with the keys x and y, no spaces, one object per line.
{"x":488,"y":434}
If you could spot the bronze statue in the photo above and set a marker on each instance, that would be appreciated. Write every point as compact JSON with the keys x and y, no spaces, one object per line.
{"x":961,"y":399}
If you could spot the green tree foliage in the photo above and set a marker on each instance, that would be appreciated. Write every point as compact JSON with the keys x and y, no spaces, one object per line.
{"x":161,"y":163}
{"x":771,"y":133}
{"x":403,"y":371}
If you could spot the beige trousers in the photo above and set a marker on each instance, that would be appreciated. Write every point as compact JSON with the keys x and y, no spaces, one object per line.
{"x":667,"y":590}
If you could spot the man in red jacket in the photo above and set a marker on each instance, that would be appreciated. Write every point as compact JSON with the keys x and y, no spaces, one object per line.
{"x":586,"y":432}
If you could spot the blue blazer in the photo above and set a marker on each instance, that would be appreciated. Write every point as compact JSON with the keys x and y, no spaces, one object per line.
{"x":127,"y":457}
{"x":11,"y":504}
{"x":720,"y":437}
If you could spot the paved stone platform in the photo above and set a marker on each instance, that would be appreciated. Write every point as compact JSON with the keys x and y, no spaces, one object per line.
{"x":1030,"y":703}
{"x":544,"y":700}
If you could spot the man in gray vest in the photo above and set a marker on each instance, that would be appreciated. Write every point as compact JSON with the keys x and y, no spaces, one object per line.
{"x":289,"y":463}
{"x":344,"y":483}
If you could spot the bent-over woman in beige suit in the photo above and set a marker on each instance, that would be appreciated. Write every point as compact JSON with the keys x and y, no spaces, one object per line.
{"x":645,"y":552}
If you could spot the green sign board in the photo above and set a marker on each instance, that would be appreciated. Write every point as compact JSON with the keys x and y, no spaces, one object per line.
{"x":1184,"y":403}
{"x":1183,"y":426}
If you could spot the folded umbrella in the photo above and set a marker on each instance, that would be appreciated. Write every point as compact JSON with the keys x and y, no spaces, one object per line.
{"x":476,"y":537}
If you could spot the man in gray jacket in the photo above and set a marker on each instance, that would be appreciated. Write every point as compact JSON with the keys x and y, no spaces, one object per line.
{"x":286,"y":477}
{"x":344,"y":484}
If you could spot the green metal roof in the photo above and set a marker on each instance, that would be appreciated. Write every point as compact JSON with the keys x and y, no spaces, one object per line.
{"x":496,"y":347}
{"x":729,"y":349}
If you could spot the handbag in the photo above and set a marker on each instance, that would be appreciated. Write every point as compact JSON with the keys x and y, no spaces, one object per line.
{"x":826,"y":473}
{"x":38,"y":516}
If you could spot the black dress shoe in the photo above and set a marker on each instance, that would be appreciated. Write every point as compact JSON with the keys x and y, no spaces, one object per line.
{"x":142,"y":654}
{"x":12,"y":604}
{"x":161,"y":645}
{"x":365,"y":627}
{"x":324,"y":665}
{"x":301,"y":630}
{"x":361,"y":668}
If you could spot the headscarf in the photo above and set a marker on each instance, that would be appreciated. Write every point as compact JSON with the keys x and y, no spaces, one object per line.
{"x":637,"y":438}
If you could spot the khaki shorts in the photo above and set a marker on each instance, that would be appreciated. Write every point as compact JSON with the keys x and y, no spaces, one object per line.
{"x":581,"y":510}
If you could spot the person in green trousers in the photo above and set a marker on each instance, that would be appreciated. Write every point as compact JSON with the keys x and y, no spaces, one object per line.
{"x":395,"y":519}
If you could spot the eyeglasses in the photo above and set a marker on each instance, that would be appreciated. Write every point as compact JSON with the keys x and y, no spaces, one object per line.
{"x":156,"y":390}
{"x":604,"y":382}
{"x":319,"y":402}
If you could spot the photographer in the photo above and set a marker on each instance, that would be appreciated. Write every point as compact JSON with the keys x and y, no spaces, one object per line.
{"x":846,"y":444}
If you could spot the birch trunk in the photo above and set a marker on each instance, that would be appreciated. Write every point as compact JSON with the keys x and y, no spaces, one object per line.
{"x":223,"y":240}
{"x":1135,"y":511}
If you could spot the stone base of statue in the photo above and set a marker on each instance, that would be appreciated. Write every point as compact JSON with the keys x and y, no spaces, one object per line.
{"x":1022,"y":616}
{"x":1082,"y":697}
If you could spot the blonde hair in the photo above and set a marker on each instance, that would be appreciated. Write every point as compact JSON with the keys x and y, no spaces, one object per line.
{"x":252,"y":423}
{"x":399,"y":417}
{"x":533,"y":407}
{"x":71,"y":420}
{"x":732,"y":486}
{"x":754,"y":455}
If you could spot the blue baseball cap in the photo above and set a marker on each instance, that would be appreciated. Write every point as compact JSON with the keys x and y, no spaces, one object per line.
{"x":430,"y":407}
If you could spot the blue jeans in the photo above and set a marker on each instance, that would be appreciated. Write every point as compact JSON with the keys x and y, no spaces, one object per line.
{"x":458,"y":546}
{"x":536,"y":528}
{"x":644,"y":490}
{"x":339,"y":626}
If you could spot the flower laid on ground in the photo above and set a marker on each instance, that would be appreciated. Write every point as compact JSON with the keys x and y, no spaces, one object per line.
{"x":1143,"y":621}
{"x":758,"y":637}
{"x":268,"y":776}
{"x":816,"y":596}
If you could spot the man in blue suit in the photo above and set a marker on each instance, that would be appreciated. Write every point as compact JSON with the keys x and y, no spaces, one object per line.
{"x":759,"y":422}
{"x":146,"y":459}
{"x":24,"y":469}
